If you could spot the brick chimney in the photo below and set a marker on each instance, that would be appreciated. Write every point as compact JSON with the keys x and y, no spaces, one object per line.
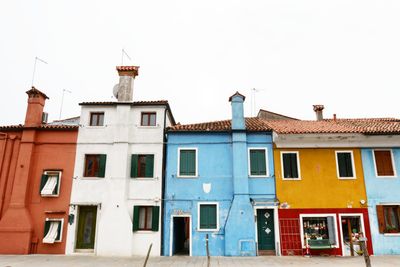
{"x":319,"y":112}
{"x":238,"y":122}
{"x":124,"y":90}
{"x":34,"y":112}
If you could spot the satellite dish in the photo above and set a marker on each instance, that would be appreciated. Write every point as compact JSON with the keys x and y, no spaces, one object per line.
{"x":115,"y":90}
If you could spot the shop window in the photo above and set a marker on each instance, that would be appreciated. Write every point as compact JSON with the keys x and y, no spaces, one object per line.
{"x":208,"y":217}
{"x":290,"y":165}
{"x":96,"y":118}
{"x":388,"y":218}
{"x":52,"y":231}
{"x":50,"y":184}
{"x":187,"y":163}
{"x":321,"y":227}
{"x":146,"y":218}
{"x":258,"y":162}
{"x":95,"y":165}
{"x":142,"y":166}
{"x":345,"y":164}
{"x":148,"y":119}
{"x":384,"y":163}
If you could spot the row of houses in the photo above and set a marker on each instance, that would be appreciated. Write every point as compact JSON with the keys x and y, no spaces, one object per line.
{"x":124,"y":175}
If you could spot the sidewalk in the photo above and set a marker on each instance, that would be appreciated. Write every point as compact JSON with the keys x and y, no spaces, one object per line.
{"x":93,"y":261}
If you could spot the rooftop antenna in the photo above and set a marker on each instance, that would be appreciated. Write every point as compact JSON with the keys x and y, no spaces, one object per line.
{"x":62,"y":100}
{"x":122,"y":56}
{"x":34,"y":67}
{"x":253,"y":99}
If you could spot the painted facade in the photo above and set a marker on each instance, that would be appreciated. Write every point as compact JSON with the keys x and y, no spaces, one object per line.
{"x":36,"y":169}
{"x":383,"y":191}
{"x":115,"y":203}
{"x":220,"y":198}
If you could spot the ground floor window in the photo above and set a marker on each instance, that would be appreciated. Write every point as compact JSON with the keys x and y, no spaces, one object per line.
{"x":145,"y":218}
{"x":52,"y":231}
{"x":388,"y":218}
{"x":208,"y":216}
{"x":319,"y":229}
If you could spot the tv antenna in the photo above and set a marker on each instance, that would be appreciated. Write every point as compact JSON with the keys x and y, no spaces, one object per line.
{"x":34,"y":67}
{"x":253,"y":99}
{"x":62,"y":100}
{"x":124,"y":54}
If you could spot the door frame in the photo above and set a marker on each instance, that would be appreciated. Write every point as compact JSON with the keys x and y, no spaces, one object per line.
{"x":341,"y":230}
{"x":88,"y":251}
{"x":276,"y":227}
{"x":171,"y":232}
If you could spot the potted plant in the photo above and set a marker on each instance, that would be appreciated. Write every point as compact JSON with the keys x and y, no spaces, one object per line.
{"x":390,"y":229}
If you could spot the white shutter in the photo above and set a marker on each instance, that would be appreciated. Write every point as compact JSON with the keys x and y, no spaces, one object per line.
{"x":49,"y":187}
{"x":52,"y":233}
{"x":331,"y":230}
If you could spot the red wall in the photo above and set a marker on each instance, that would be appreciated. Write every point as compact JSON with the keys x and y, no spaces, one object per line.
{"x":295,"y":214}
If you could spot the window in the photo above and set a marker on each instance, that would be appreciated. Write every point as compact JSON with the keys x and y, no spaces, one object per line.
{"x":319,"y":227}
{"x":142,"y":166}
{"x":388,"y":218}
{"x":146,"y":218}
{"x":384,"y":163}
{"x":258,"y":162}
{"x":52,"y":231}
{"x":97,"y":119}
{"x":95,"y":165}
{"x":290,"y":165}
{"x":208,"y":216}
{"x":187,"y":162}
{"x":50,"y":184}
{"x":345,"y":164}
{"x":148,"y":119}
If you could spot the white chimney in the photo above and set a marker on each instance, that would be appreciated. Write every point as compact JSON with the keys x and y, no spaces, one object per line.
{"x":318,"y":112}
{"x":124,"y":90}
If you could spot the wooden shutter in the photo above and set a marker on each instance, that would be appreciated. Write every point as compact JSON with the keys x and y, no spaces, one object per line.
{"x":58,"y":238}
{"x":43,"y":182}
{"x":187,"y":162}
{"x":203,"y":217}
{"x":134,"y":165}
{"x":155,"y":218}
{"x":381,"y":218}
{"x":212,"y":216}
{"x":191,"y":162}
{"x":135,"y":223}
{"x":102,"y":165}
{"x":253,"y":162}
{"x":383,"y":162}
{"x":183,"y":162}
{"x":149,"y":171}
{"x":345,"y":164}
{"x":262,"y":168}
{"x":46,"y":228}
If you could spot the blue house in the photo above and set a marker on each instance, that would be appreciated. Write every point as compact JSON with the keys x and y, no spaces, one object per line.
{"x":219,"y":184}
{"x":381,"y":173}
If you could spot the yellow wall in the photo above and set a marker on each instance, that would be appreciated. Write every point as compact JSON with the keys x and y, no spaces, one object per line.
{"x":319,"y":186}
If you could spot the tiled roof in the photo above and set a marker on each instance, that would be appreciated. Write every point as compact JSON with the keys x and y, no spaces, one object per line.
{"x":137,"y":103}
{"x":361,"y":126}
{"x":252,"y":124}
{"x":127,"y":68}
{"x":43,"y":126}
{"x":35,"y":91}
{"x":11,"y":127}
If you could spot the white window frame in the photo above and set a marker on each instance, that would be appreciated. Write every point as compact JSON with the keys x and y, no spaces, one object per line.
{"x":298,"y":166}
{"x":266,"y":161}
{"x":393,"y":163}
{"x":318,"y":215}
{"x":354,"y":177}
{"x":59,"y":183}
{"x":198,"y":216}
{"x":61,"y":226}
{"x":179,"y":162}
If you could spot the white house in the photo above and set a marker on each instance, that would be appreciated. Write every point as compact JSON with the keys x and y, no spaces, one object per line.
{"x":118,"y":179}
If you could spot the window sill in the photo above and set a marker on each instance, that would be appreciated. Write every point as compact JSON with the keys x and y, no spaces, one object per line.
{"x":391,"y":234}
{"x":386,"y":177}
{"x":148,"y":127}
{"x":144,"y":178}
{"x":207,"y":230}
{"x":146,"y":232}
{"x":187,"y":177}
{"x":49,"y":195}
{"x":259,"y":176}
{"x":92,"y":178}
{"x":291,"y":179}
{"x":95,"y":127}
{"x":347,"y":178}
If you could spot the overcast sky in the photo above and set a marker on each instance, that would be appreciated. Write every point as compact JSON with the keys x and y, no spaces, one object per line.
{"x":343,"y":54}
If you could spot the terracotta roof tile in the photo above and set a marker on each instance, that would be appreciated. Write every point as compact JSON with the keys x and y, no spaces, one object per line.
{"x":252,"y":124}
{"x":138,"y":103}
{"x":43,"y":126}
{"x":127,"y":68}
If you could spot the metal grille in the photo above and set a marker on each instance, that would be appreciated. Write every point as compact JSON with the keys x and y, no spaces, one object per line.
{"x":290,"y":237}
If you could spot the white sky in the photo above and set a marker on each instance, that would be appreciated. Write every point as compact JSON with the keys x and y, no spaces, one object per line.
{"x":343,"y":54}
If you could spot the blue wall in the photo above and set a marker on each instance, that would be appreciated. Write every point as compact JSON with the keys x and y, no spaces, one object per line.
{"x":381,"y":191}
{"x":215,"y":166}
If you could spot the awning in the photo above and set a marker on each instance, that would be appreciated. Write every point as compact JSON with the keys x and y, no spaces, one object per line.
{"x":49,"y":187}
{"x":52,"y":233}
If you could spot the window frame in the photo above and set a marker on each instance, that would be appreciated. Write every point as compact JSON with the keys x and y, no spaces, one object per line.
{"x":298,"y":166}
{"x":266,"y":162}
{"x":199,"y":229}
{"x":154,"y":166}
{"x":91,"y":118}
{"x":397,"y":207}
{"x":354,"y":177}
{"x":393,"y":163}
{"x":196,"y":162}
{"x":45,"y":172}
{"x":319,"y":215}
{"x":147,"y":208}
{"x":148,"y":113}
{"x":61,"y":226}
{"x":85,"y":156}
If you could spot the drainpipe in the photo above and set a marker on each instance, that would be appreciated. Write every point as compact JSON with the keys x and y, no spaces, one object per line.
{"x":163,"y":181}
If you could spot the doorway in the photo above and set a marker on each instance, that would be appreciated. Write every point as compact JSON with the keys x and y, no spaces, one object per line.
{"x":181,"y":237}
{"x":265,"y":232}
{"x":352,"y":229}
{"x":85,"y":236}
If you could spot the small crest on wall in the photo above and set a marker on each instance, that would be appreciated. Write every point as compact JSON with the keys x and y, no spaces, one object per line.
{"x":207,"y":188}
{"x":285,"y":205}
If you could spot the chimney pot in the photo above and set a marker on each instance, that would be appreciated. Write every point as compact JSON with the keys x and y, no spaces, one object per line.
{"x":319,"y":112}
{"x":124,"y":90}
{"x":36,"y":102}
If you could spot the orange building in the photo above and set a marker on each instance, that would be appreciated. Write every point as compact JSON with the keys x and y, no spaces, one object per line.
{"x":36,"y":169}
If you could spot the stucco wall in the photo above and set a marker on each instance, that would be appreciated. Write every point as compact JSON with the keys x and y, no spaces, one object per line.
{"x":381,"y":191}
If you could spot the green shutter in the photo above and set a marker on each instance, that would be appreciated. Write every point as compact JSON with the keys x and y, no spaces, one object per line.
{"x":183,"y":163}
{"x":43,"y":182}
{"x":203,"y":217}
{"x":262,"y":168}
{"x":187,"y":162}
{"x":135,"y":223}
{"x":46,"y":228}
{"x":191,"y":162}
{"x":257,"y":162}
{"x":253,"y":162}
{"x":149,"y":166}
{"x":102,"y":165}
{"x":58,"y":238}
{"x":134,"y":165}
{"x":155,"y":218}
{"x":208,"y":216}
{"x":55,"y":192}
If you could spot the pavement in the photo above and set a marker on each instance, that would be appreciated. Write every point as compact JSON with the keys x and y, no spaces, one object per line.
{"x":89,"y":261}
